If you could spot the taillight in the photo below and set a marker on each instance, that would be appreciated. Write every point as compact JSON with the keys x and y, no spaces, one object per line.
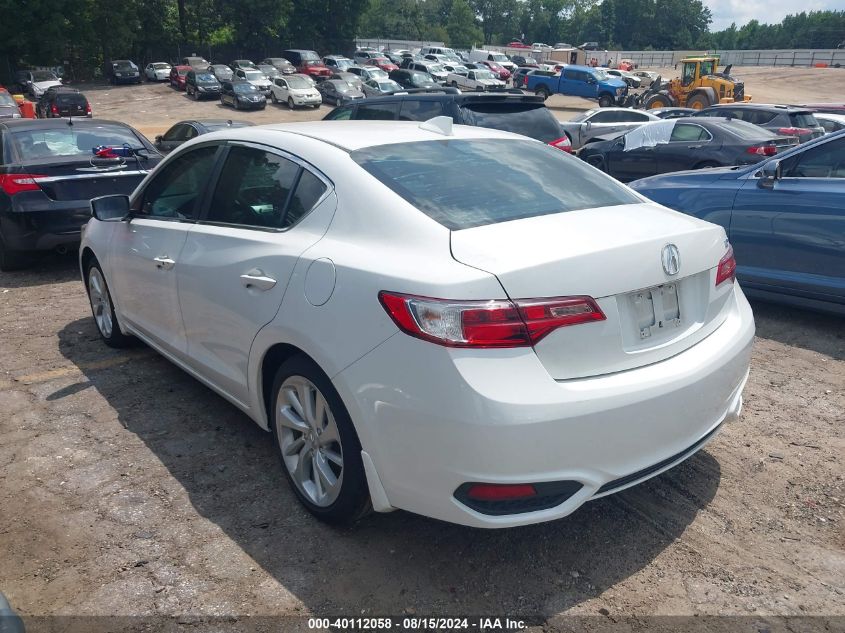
{"x":794,"y":131}
{"x":762,"y":150}
{"x":87,"y":108}
{"x":562,"y":143}
{"x":726,"y":271}
{"x":54,"y":109}
{"x":16,"y":183}
{"x":486,"y":324}
{"x":525,"y":80}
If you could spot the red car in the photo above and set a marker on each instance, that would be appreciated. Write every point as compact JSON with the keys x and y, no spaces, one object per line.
{"x":178,"y":75}
{"x":517,"y":44}
{"x":307,"y":62}
{"x":497,"y":69}
{"x":382,"y":62}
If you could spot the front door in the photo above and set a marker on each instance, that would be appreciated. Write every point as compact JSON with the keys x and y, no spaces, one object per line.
{"x":237,"y":261}
{"x":791,"y":236}
{"x":145,"y":252}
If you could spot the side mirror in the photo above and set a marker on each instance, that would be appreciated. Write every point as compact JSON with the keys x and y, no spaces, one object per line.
{"x":114,"y":208}
{"x":159,"y":139}
{"x":769,"y":174}
{"x":588,"y":124}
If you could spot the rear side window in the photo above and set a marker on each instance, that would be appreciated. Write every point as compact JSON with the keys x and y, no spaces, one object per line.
{"x":748,"y":131}
{"x":377,"y":111}
{"x":308,"y":192}
{"x":688,"y":132}
{"x":253,"y":189}
{"x":529,"y":119}
{"x":418,"y":110}
{"x":803,"y":119}
{"x":449,"y":180}
{"x":757,"y":117}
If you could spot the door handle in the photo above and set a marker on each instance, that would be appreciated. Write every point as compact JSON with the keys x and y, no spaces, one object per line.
{"x":163,"y":262}
{"x":257,"y":279}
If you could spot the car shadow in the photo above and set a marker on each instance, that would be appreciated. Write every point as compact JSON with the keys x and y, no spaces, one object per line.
{"x":44,"y":269}
{"x":814,"y":331}
{"x":388,"y":564}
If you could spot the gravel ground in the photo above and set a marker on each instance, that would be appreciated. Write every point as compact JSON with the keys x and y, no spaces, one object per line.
{"x":127,"y":488}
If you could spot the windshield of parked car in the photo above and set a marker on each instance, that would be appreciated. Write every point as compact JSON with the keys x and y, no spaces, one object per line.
{"x":343,"y":64}
{"x":308,"y":56}
{"x":420,"y":79}
{"x":530,"y":60}
{"x":499,"y":58}
{"x":206,"y":78}
{"x":254,"y":75}
{"x":44,"y":75}
{"x":245,"y":88}
{"x":161,"y":66}
{"x":600,"y":75}
{"x":298,"y":83}
{"x":449,"y":180}
{"x":7,"y":100}
{"x":70,"y":141}
{"x":377,"y":73}
{"x":269,"y":71}
{"x":388,"y":86}
{"x":483,"y":74}
{"x":343,"y":87}
{"x":435,"y":68}
{"x":183,"y":71}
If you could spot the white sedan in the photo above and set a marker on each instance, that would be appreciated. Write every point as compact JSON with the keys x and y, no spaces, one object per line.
{"x":295,"y":91}
{"x":414,"y":338}
{"x":157,"y":71}
{"x":477,"y":80}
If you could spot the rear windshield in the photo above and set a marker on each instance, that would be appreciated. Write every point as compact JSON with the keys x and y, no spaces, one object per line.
{"x":803,"y":119}
{"x":7,"y":100}
{"x":748,"y":131}
{"x":70,"y":141}
{"x":529,"y":119}
{"x":70,"y":99}
{"x":309,"y":56}
{"x":449,"y":180}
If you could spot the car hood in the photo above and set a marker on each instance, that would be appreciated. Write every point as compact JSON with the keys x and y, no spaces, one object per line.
{"x":689,"y":178}
{"x":616,"y":83}
{"x":43,"y":85}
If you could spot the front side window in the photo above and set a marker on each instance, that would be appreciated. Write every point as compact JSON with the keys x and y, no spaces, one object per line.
{"x":449,"y":180}
{"x":175,"y":191}
{"x":340,"y":114}
{"x":822,"y":161}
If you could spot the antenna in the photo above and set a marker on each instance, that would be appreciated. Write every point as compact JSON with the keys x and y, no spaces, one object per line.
{"x":439,"y":125}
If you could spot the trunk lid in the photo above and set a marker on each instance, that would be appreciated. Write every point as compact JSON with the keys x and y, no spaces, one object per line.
{"x":613,"y":254}
{"x":80,"y":180}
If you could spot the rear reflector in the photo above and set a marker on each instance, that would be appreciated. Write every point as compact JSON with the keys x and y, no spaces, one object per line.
{"x":762,"y":150}
{"x":486,"y":324}
{"x":500,"y":492}
{"x":726,"y":271}
{"x":16,"y":183}
{"x":563,"y":144}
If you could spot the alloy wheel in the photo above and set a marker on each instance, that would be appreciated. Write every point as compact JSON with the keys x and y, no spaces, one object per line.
{"x":100,"y":302}
{"x":309,"y":440}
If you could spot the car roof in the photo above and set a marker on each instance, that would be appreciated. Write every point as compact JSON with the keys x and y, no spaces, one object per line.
{"x":354,"y":135}
{"x":771,"y":107}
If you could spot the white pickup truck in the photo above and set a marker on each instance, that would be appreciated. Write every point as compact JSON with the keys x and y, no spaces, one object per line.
{"x":477,"y":80}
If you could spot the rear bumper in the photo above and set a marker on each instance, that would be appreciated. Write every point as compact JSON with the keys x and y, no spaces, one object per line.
{"x":433,"y":419}
{"x":37,"y":223}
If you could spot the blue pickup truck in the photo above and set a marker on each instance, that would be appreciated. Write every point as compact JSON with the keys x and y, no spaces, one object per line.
{"x":580,"y":81}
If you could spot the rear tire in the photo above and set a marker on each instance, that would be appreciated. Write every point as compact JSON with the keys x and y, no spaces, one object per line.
{"x":542,"y":92}
{"x":273,"y":98}
{"x":317,"y":444}
{"x":102,"y":307}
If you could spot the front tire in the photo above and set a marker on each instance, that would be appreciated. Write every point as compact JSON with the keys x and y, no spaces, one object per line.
{"x":318,"y":447}
{"x":290,"y":103}
{"x":605,"y":101}
{"x":273,"y":98}
{"x":698,"y":102}
{"x":102,"y":307}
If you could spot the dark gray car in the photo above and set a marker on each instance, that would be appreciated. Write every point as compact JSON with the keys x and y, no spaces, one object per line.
{"x":780,"y":119}
{"x":186,"y":130}
{"x":200,"y":84}
{"x":338,"y":92}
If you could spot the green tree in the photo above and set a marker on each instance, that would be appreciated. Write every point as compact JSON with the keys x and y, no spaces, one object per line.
{"x":462,"y":28}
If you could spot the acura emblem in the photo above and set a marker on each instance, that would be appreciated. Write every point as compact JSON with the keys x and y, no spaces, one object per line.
{"x":671,"y":258}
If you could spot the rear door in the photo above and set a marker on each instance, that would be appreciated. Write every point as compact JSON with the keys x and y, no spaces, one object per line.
{"x":688,"y":146}
{"x":791,"y":237}
{"x":237,"y":261}
{"x":145,"y":252}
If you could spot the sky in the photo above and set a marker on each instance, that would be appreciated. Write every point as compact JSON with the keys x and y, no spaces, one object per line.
{"x":764,"y":11}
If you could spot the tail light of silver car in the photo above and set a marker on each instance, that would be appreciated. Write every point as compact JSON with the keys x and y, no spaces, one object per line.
{"x":495,"y":323}
{"x":726,"y":270}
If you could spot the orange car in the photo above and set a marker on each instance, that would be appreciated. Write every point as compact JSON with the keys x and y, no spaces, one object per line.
{"x":626,"y":64}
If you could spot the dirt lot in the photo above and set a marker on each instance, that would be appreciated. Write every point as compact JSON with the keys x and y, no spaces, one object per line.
{"x":128,"y":488}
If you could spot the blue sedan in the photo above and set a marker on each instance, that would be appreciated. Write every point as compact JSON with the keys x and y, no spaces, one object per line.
{"x":785,"y":218}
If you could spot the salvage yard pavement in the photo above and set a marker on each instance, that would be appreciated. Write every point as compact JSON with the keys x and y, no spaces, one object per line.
{"x":128,"y":488}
